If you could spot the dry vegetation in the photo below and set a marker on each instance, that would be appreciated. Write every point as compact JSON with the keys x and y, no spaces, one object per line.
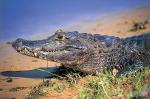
{"x":103,"y":86}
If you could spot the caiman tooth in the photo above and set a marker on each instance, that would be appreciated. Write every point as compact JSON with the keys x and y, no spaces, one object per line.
{"x":35,"y":54}
{"x":25,"y":49}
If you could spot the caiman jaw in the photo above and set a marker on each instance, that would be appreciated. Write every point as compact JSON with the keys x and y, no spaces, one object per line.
{"x":43,"y":53}
{"x":26,"y":51}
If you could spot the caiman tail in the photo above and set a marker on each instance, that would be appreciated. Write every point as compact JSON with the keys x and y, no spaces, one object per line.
{"x":140,"y":42}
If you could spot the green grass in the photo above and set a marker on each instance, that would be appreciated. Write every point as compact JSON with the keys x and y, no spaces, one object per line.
{"x":59,"y":87}
{"x":103,"y":86}
{"x":106,"y":86}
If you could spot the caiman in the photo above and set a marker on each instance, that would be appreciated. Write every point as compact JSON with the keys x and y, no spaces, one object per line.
{"x":90,"y":53}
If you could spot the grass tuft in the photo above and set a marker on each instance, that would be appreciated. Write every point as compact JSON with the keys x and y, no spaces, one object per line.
{"x":106,"y":86}
{"x":102,"y":86}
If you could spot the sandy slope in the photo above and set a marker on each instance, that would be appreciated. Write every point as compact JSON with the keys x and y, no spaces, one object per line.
{"x":117,"y":24}
{"x":12,"y":61}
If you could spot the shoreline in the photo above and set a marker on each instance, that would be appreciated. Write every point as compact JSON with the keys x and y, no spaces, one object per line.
{"x":72,"y":26}
{"x":117,"y":25}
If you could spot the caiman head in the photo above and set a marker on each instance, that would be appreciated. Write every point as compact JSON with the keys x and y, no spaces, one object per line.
{"x":62,"y":47}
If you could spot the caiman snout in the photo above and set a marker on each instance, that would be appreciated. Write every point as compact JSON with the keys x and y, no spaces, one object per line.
{"x":26,"y":47}
{"x":18,"y":44}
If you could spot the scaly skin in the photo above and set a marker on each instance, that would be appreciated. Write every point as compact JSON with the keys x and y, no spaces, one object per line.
{"x":90,"y":53}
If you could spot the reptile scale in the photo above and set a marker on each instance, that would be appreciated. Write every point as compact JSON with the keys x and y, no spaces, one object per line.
{"x":90,"y":53}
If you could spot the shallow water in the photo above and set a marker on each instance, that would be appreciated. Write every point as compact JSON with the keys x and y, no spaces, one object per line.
{"x":35,"y":73}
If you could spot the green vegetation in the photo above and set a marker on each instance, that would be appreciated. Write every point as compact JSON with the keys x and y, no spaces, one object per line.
{"x":106,"y":86}
{"x":139,"y":25}
{"x":59,"y":87}
{"x":38,"y":90}
{"x":103,"y":86}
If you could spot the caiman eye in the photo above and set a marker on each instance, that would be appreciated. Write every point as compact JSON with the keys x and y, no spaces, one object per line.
{"x":67,"y":38}
{"x":60,"y":37}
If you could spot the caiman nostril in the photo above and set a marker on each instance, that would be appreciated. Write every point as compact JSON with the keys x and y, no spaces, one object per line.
{"x":18,"y":50}
{"x":17,"y":44}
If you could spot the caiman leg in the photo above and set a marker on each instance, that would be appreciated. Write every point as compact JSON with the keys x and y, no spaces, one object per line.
{"x":131,"y":69}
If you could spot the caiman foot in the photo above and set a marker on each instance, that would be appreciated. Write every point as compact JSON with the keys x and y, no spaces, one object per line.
{"x":130,"y":69}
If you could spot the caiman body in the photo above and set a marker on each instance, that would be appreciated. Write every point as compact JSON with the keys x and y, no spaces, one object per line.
{"x":90,"y":53}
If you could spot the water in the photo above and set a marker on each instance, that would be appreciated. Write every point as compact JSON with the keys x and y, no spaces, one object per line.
{"x":21,"y":18}
{"x":35,"y":73}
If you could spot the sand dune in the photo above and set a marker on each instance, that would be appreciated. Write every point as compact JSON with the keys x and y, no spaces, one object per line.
{"x":117,"y":24}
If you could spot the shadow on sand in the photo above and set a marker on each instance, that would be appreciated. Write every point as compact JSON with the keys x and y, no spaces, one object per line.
{"x":35,"y":73}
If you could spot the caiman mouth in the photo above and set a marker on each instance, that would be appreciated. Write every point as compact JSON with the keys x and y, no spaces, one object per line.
{"x":25,"y":50}
{"x":66,"y":48}
{"x":37,"y":52}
